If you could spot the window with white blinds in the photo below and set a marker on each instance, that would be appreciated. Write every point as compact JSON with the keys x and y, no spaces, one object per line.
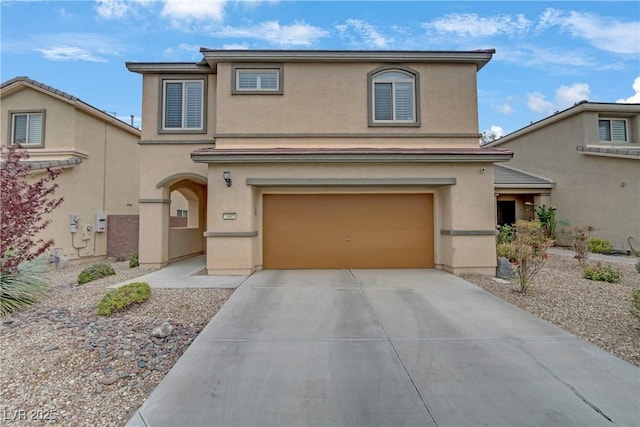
{"x":27,"y":129}
{"x":258,"y":80}
{"x":612,"y":130}
{"x":394,"y":97}
{"x":183,"y":104}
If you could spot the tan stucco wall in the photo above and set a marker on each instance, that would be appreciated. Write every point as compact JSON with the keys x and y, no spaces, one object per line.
{"x":105,"y":181}
{"x":471,"y":197}
{"x":589,"y":189}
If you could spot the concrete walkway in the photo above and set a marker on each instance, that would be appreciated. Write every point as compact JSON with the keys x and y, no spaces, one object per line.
{"x":387,"y":348}
{"x":181,"y":274}
{"x":596,"y":257}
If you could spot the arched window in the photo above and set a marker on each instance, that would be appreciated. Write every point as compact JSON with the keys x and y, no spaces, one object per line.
{"x":393,"y":97}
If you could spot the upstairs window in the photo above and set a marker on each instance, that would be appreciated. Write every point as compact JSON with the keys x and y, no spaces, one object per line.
{"x":257,"y":79}
{"x":612,"y":130}
{"x":393,"y":98}
{"x":26,"y":129}
{"x":183,"y":105}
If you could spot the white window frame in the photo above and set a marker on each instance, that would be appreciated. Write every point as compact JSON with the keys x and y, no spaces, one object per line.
{"x":29,"y":114}
{"x":182,"y":213}
{"x":183,"y":107}
{"x":611,"y":140}
{"x":378,"y":77}
{"x":260,"y":74}
{"x":238,"y":69}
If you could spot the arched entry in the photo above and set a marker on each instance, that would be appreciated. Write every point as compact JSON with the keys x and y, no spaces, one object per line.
{"x":187,"y":221}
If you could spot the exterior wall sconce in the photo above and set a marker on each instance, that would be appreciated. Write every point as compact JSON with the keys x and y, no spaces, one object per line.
{"x":227,"y":177}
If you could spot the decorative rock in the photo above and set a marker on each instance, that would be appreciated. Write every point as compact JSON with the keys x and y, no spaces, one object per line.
{"x":51,"y":347}
{"x":99,"y":388}
{"x":63,"y":262}
{"x":142,"y":364}
{"x":110,"y":380}
{"x":162,"y":331}
{"x":505,"y":269}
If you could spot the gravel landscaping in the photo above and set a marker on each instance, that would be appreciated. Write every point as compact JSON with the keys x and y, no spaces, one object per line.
{"x":63,"y":364}
{"x":598,"y":312}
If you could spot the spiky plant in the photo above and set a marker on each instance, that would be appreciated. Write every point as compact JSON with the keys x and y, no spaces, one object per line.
{"x":22,"y":287}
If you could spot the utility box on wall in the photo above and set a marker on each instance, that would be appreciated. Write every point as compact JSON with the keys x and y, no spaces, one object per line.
{"x":101,"y":222}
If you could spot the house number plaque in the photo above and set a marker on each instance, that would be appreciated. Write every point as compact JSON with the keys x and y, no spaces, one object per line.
{"x":229,"y":216}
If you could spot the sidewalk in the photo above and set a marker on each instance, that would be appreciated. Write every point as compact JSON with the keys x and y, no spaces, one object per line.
{"x":179,"y":275}
{"x":596,"y":257}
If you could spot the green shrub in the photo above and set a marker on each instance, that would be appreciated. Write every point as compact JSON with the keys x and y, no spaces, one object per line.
{"x":506,"y":250}
{"x":635,"y":298}
{"x":638,"y":266}
{"x":531,"y":246}
{"x":505,"y":235}
{"x":94,"y":272}
{"x":133,"y":260}
{"x":121,"y":298}
{"x":601,"y":273}
{"x":19,"y":289}
{"x":598,"y":246}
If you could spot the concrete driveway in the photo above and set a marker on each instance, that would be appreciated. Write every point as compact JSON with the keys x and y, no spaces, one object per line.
{"x":387,"y":348}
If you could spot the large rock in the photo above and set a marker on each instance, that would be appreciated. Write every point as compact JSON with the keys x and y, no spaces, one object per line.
{"x":505,"y":269}
{"x":162,"y":331}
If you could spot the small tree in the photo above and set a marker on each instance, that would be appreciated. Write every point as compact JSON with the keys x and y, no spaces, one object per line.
{"x":23,"y":206}
{"x":530,"y":251}
{"x":580,"y":243}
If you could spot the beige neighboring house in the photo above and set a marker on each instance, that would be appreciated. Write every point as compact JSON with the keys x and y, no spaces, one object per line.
{"x":585,"y":161}
{"x":317,"y":159}
{"x":99,"y":156}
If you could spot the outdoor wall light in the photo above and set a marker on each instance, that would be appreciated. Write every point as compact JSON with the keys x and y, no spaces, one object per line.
{"x":227,"y":177}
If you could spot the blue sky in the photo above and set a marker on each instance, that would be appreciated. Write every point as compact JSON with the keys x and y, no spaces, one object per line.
{"x":549,"y":54}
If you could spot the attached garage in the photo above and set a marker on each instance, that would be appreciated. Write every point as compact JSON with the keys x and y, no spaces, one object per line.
{"x":307,"y":231}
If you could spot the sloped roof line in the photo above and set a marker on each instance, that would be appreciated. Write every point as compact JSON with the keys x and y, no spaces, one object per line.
{"x":506,"y":175}
{"x":24,"y":80}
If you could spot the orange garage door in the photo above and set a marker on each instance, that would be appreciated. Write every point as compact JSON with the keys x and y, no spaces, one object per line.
{"x":348,"y":231}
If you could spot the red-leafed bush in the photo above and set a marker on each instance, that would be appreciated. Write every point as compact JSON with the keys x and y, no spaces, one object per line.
{"x":24,"y":203}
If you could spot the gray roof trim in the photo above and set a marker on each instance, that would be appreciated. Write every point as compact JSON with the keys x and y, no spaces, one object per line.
{"x":412,"y":135}
{"x":583,"y":106}
{"x":338,"y":182}
{"x":508,"y":177}
{"x":45,"y":164}
{"x":168,"y":67}
{"x":623,"y":152}
{"x":444,"y":232}
{"x":215,"y":56}
{"x":230,"y":233}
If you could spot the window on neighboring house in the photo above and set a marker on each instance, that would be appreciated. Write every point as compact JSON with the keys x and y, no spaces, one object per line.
{"x":182,"y":212}
{"x":27,"y":129}
{"x":393,"y":98}
{"x":249,"y":79}
{"x":183,"y":104}
{"x":612,"y":130}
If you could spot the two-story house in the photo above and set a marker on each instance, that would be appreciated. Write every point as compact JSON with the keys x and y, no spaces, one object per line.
{"x":99,"y":157}
{"x":591,"y":152}
{"x":317,"y":159}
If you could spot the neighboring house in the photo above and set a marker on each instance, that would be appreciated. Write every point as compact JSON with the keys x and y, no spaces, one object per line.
{"x":99,"y":155}
{"x":589,"y":155}
{"x":317,"y":159}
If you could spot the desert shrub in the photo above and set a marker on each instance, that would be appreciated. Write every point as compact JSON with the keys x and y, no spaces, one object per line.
{"x":505,"y":235}
{"x":580,"y":243}
{"x":506,"y":250}
{"x":598,"y":246}
{"x":94,"y":272}
{"x":601,"y":273}
{"x":635,"y":300}
{"x":134,"y":260}
{"x":638,"y":266}
{"x":531,"y":251}
{"x":23,"y":286}
{"x":123,"y":297}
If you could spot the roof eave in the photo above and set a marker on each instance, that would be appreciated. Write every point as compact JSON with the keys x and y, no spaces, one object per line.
{"x":167,"y":67}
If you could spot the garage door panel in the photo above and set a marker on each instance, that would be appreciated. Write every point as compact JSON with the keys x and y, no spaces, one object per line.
{"x":348,"y":231}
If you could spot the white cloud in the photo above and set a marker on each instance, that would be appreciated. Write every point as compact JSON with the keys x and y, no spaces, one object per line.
{"x":635,"y":98}
{"x":235,"y":46}
{"x":69,"y":53}
{"x":184,"y":51}
{"x":497,"y":131}
{"x":506,"y":108}
{"x":604,"y":33}
{"x":367,"y":34}
{"x":112,"y":9}
{"x":537,"y":102}
{"x":297,"y":34}
{"x":565,"y":97}
{"x":184,"y":12}
{"x":473,"y":25}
